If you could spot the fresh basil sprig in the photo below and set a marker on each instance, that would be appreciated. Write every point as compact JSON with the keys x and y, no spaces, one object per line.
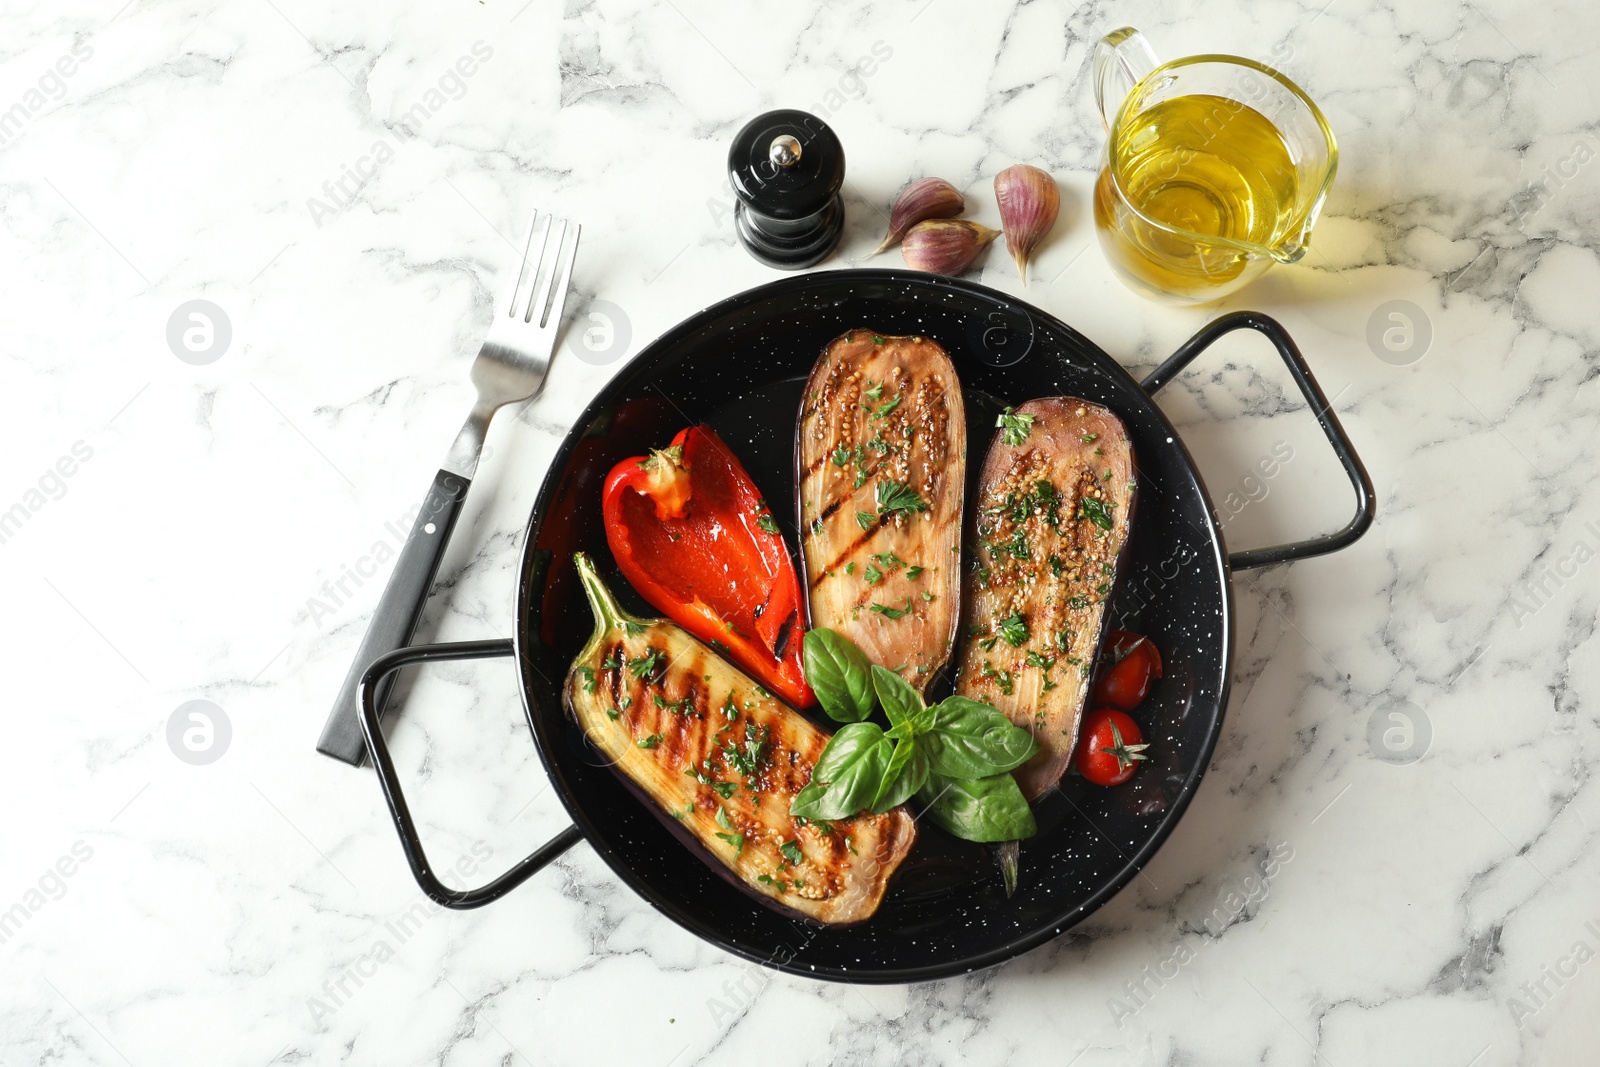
{"x":956,"y":756}
{"x":839,"y":674}
{"x":979,"y":809}
{"x":848,"y":777}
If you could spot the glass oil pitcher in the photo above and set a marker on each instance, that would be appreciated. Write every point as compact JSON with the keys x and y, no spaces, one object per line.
{"x":1216,"y":167}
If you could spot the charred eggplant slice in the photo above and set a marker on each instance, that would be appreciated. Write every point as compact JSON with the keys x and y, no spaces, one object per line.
{"x":1050,"y":522}
{"x":722,"y":756}
{"x":881,"y":472}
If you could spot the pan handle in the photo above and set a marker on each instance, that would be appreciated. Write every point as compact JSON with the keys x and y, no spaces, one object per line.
{"x":371,"y":681}
{"x":1359,"y":479}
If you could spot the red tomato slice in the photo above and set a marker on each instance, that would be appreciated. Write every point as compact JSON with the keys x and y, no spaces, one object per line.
{"x":1111,"y":747}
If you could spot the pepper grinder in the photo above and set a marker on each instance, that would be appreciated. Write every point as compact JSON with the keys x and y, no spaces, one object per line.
{"x":786,"y":168}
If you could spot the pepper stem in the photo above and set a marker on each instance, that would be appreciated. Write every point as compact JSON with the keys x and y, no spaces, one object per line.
{"x":608,"y":614}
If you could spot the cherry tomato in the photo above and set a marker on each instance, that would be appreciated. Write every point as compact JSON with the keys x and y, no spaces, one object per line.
{"x":1110,"y":748}
{"x":1134,"y":663}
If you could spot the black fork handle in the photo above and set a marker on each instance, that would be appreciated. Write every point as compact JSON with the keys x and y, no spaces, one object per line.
{"x":374,"y":677}
{"x":1359,"y":479}
{"x":398,"y":611}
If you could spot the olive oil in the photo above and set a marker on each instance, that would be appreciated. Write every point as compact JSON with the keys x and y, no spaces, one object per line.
{"x":1190,"y":168}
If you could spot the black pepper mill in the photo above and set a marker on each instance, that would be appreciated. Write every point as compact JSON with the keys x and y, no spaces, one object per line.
{"x":786,"y":168}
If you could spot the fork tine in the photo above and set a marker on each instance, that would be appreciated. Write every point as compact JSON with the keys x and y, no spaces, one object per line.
{"x":562,"y":267}
{"x":529,"y":271}
{"x":541,"y":296}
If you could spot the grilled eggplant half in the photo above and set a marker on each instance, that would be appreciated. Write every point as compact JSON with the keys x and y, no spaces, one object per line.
{"x":721,"y":755}
{"x":881,"y":458}
{"x":1051,"y":520}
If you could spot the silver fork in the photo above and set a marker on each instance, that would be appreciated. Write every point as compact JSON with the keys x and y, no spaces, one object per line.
{"x":510,"y":367}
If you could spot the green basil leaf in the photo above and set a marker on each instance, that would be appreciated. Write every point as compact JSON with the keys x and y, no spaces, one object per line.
{"x":907,"y":771}
{"x":839,"y":674}
{"x":847,"y":778}
{"x":970,"y":739}
{"x":900,"y":702}
{"x":979,"y":809}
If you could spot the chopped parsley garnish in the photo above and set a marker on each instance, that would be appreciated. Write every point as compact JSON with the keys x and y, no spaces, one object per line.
{"x":1078,"y":601}
{"x":892,"y":613}
{"x":614,"y":661}
{"x":1036,"y":660}
{"x":1014,"y":628}
{"x":841,"y":456}
{"x":877,"y":340}
{"x":769,"y":880}
{"x":1003,"y":679}
{"x":588,"y":677}
{"x":1015,"y":425}
{"x":647,"y":665}
{"x":876,"y":392}
{"x":677,"y":707}
{"x":1095,"y":510}
{"x":892,"y":496}
{"x":887,"y":406}
{"x":1057,"y":568}
{"x":872,"y":574}
{"x":767,"y":523}
{"x":850,"y":568}
{"x":729,"y":711}
{"x":736,"y":840}
{"x":791,"y":852}
{"x":864,"y":519}
{"x":751,"y":756}
{"x":649,"y":742}
{"x":613,"y":714}
{"x":888,"y":561}
{"x":927,"y":596}
{"x":1089,"y":438}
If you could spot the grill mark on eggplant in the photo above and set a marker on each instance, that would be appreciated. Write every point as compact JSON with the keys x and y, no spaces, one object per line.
{"x":830,"y":884}
{"x":914,"y":442}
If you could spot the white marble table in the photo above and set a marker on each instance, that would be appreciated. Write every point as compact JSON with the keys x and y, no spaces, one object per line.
{"x":325,"y":176}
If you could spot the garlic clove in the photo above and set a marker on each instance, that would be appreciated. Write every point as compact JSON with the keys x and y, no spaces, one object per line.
{"x":926,"y":198}
{"x":1029,"y":202}
{"x":945,"y":246}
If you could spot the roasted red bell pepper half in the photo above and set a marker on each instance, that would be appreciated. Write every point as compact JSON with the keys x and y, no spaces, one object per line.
{"x":691,"y":532}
